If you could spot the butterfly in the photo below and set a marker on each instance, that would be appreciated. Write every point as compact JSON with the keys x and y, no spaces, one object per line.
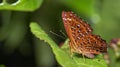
{"x":81,"y":39}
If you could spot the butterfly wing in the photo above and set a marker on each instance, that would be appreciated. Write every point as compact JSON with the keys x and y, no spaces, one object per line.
{"x":93,"y":44}
{"x":80,"y":35}
{"x":75,"y":24}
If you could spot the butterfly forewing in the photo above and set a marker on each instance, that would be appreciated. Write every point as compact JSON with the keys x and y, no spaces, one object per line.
{"x":75,"y":24}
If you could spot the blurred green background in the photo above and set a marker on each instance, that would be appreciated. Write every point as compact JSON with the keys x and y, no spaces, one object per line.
{"x":20,"y":48}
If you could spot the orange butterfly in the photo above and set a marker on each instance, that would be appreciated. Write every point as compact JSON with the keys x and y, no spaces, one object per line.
{"x":82,"y":40}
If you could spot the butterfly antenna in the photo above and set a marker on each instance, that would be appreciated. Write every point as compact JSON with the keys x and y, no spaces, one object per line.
{"x":63,"y":33}
{"x":57,"y":35}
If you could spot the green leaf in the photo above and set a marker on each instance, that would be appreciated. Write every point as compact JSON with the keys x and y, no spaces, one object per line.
{"x":21,"y":5}
{"x":62,"y":54}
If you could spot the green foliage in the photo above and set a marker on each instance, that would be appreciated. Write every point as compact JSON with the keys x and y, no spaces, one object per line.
{"x":62,"y":55}
{"x":83,"y":7}
{"x":21,"y":5}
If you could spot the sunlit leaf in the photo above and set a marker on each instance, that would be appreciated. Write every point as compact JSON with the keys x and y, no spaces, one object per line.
{"x":62,"y":54}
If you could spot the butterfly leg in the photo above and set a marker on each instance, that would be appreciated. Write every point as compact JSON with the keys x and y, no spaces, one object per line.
{"x":83,"y":56}
{"x":71,"y":50}
{"x":71,"y":53}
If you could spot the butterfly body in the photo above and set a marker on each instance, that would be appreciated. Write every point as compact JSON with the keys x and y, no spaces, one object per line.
{"x":82,"y":40}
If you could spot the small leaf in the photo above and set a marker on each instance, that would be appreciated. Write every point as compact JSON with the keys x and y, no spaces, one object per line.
{"x":62,"y":54}
{"x":21,"y":5}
